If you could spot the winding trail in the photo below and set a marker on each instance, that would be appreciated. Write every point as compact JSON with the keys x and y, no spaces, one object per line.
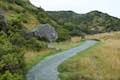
{"x":47,"y":69}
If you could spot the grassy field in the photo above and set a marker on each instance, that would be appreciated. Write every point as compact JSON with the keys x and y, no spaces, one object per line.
{"x":32,"y":57}
{"x":105,"y":36}
{"x":101,"y":62}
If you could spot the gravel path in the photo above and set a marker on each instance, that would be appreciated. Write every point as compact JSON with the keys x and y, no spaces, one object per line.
{"x":47,"y":69}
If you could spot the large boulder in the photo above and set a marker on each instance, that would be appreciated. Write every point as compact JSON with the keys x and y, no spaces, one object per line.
{"x":45,"y":31}
{"x":3,"y":22}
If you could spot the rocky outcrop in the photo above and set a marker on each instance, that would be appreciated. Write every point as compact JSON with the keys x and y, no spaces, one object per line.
{"x":3,"y":22}
{"x":45,"y":31}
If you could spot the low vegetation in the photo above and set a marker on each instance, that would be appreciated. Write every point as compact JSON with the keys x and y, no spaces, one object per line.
{"x":11,"y":60}
{"x":100,"y":62}
{"x":34,"y":57}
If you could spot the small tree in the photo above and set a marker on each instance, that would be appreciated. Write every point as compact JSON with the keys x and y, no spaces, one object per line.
{"x":63,"y":34}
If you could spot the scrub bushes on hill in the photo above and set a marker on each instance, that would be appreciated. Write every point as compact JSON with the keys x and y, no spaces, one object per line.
{"x":11,"y":60}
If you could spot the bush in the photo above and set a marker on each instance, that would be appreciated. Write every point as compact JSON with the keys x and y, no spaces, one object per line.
{"x":35,"y":45}
{"x":10,"y":76}
{"x":63,"y":34}
{"x":11,"y":59}
{"x":17,"y":39}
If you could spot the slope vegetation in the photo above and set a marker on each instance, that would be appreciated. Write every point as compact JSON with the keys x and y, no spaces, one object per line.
{"x":89,"y":23}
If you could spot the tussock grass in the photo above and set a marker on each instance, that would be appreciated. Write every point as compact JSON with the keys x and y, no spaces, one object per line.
{"x":76,"y":39}
{"x":101,"y":62}
{"x":34,"y":57}
{"x":105,"y":36}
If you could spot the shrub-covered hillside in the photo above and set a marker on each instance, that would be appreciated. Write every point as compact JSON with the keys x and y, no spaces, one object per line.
{"x":15,"y":39}
{"x":21,"y":18}
{"x":30,"y":16}
{"x":90,"y":23}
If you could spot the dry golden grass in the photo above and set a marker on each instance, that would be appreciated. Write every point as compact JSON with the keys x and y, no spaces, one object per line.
{"x":33,"y":57}
{"x":102,"y":62}
{"x":76,"y":39}
{"x":105,"y":36}
{"x":67,"y":44}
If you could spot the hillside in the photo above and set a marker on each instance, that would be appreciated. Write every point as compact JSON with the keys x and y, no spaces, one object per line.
{"x":29,"y":16}
{"x":20,"y":20}
{"x":89,"y":23}
{"x":22,"y":9}
{"x":21,"y":17}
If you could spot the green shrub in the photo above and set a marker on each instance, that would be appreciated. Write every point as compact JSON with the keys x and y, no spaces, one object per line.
{"x":15,"y":8}
{"x":10,"y":76}
{"x":11,"y":59}
{"x":63,"y":34}
{"x":35,"y":45}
